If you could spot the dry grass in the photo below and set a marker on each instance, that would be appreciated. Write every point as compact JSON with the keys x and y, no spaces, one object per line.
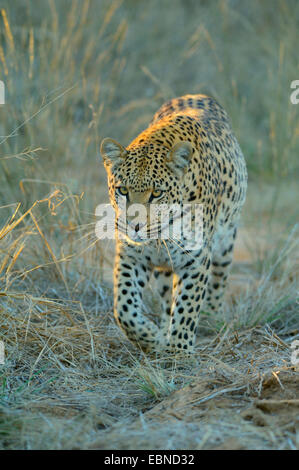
{"x":70,"y":378}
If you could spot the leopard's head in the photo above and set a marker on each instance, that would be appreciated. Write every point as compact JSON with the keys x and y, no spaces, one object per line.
{"x":145,"y":175}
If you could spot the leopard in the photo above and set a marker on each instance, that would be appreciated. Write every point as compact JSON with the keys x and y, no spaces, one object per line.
{"x":188,"y":155}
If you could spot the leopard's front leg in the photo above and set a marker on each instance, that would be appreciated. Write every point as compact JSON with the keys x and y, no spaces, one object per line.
{"x":130,"y":278}
{"x":189,"y":291}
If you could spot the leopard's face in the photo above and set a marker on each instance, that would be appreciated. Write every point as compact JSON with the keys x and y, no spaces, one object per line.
{"x":139,"y":179}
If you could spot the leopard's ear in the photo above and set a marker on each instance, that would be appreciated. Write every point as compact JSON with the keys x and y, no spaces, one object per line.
{"x":179,"y":156}
{"x":112,"y":152}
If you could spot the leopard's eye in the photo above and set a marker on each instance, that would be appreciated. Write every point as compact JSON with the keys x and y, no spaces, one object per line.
{"x":122,"y":190}
{"x":157,"y":193}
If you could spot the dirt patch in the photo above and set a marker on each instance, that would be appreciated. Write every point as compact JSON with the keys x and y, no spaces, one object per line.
{"x":278,"y":404}
{"x":242,"y":398}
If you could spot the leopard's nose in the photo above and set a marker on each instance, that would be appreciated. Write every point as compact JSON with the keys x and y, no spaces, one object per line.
{"x":137,"y":227}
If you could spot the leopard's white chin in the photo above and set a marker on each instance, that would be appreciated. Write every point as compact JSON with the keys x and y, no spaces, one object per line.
{"x":137,"y":241}
{"x":133,"y":238}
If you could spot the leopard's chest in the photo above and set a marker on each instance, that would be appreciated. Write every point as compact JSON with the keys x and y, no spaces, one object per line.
{"x":162,"y":254}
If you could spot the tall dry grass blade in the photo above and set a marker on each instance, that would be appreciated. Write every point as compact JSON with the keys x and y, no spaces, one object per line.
{"x":50,"y":251}
{"x":2,"y":59}
{"x":42,"y":108}
{"x":108,"y":16}
{"x":31,"y":53}
{"x":9,"y":36}
{"x":9,"y":226}
{"x":14,"y":259}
